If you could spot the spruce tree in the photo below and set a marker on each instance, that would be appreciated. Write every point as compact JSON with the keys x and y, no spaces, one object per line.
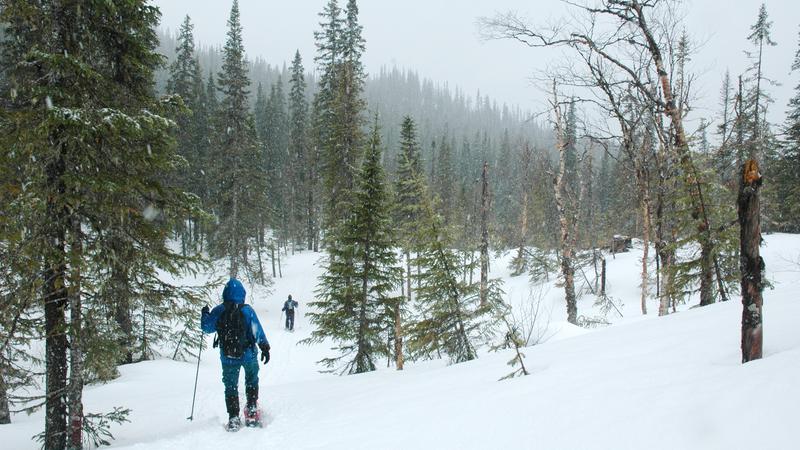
{"x":105,"y":146}
{"x":328,"y":59}
{"x":262,"y":117}
{"x":356,"y":314}
{"x":303,"y":160}
{"x":19,"y":324}
{"x":448,"y":316}
{"x":726,"y":153}
{"x":758,"y":99}
{"x":261,"y":114}
{"x":506,"y":207}
{"x":279,"y":169}
{"x":445,"y":179}
{"x":339,"y":106}
{"x":185,"y":81}
{"x":410,"y":190}
{"x":240,"y":191}
{"x":206,"y":116}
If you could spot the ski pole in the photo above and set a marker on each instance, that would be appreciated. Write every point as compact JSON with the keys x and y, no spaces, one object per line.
{"x":196,"y":375}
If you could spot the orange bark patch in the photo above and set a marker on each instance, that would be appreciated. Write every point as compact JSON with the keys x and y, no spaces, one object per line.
{"x":751,"y":173}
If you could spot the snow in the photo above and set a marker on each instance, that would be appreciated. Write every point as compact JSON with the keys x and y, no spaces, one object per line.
{"x":150,"y":213}
{"x":674,"y":382}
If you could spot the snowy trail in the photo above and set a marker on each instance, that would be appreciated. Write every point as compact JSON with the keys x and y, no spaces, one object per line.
{"x":646,"y":382}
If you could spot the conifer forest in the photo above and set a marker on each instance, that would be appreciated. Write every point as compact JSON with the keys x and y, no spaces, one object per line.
{"x":432,"y":235}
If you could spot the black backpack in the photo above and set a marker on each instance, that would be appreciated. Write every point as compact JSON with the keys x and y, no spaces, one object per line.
{"x":233,"y":335}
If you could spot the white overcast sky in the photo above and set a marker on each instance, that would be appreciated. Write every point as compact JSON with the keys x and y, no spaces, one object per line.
{"x":439,"y":39}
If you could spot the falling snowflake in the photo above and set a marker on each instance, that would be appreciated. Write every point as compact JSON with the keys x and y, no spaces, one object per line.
{"x":150,"y":213}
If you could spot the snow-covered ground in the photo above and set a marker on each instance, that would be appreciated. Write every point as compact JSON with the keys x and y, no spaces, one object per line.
{"x":644,"y":383}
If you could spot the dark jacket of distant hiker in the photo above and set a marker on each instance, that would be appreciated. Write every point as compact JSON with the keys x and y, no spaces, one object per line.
{"x":289,"y":306}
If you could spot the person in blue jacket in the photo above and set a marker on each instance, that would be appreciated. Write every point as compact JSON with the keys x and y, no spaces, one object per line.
{"x":233,"y":297}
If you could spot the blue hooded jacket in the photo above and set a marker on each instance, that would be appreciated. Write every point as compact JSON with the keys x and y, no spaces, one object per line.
{"x":234,"y":292}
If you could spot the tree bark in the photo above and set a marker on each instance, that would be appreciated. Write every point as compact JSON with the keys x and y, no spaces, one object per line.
{"x":523,"y":233}
{"x":666,"y":257}
{"x":603,"y":277}
{"x":280,"y":269}
{"x":55,"y":302}
{"x":259,"y":258}
{"x":398,"y":338}
{"x":234,"y":229}
{"x":75,"y":391}
{"x":672,"y":111}
{"x":645,"y":193}
{"x":121,"y":298}
{"x":5,"y":412}
{"x":567,"y":269}
{"x":272,"y":256}
{"x":484,"y":292}
{"x":398,"y":317}
{"x":309,"y":215}
{"x":751,"y":263}
{"x":706,"y":273}
{"x":720,"y":282}
{"x":363,"y":358}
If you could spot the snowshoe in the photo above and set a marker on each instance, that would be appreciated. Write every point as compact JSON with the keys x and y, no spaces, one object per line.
{"x":252,"y":417}
{"x":234,"y":424}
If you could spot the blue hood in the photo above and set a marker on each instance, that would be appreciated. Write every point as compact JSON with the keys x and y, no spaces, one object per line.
{"x":234,"y":291}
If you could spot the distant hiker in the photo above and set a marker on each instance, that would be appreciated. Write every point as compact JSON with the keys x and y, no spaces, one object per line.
{"x":289,"y":306}
{"x":238,"y":332}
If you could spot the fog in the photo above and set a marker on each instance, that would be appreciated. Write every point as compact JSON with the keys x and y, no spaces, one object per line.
{"x":440,"y":40}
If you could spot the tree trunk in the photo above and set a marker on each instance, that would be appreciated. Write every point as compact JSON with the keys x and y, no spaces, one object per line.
{"x":666,"y":258}
{"x":272,"y":256}
{"x":646,"y":249}
{"x":55,"y":302}
{"x":706,"y":273}
{"x":5,"y":411}
{"x":75,"y":390}
{"x":145,"y":357}
{"x":260,"y":258}
{"x":751,"y":263}
{"x":122,"y":306}
{"x":567,"y":269}
{"x":310,"y":218}
{"x":672,"y":111}
{"x":603,"y":277}
{"x":292,"y":227}
{"x":484,"y":289}
{"x":233,"y":238}
{"x":56,"y":350}
{"x":523,"y":232}
{"x":723,"y":295}
{"x":280,"y":269}
{"x":398,"y":337}
{"x":363,"y":358}
{"x":664,"y":231}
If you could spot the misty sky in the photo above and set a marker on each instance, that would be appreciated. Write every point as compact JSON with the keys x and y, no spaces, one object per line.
{"x":439,"y":39}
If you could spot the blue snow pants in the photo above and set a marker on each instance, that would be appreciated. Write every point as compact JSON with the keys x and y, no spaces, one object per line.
{"x":230,"y":376}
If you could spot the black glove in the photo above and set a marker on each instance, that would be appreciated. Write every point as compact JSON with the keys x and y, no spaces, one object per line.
{"x":204,"y":311}
{"x":264,"y":352}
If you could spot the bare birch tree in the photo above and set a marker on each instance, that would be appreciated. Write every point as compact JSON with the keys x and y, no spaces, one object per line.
{"x":566,"y":218}
{"x":633,"y":48}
